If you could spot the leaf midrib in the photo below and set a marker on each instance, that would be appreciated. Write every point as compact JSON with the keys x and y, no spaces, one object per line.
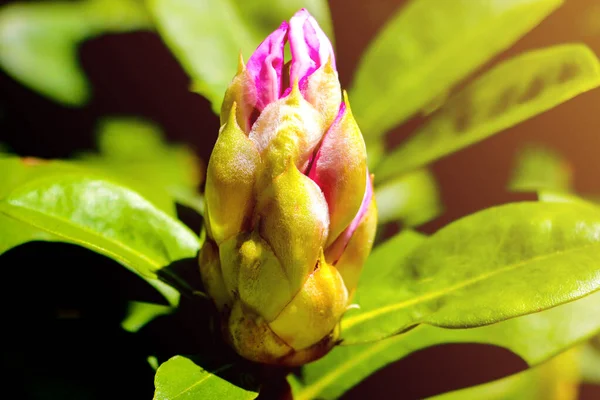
{"x":208,"y":376}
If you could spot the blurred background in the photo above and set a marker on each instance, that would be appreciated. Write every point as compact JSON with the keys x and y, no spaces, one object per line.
{"x":134,"y":74}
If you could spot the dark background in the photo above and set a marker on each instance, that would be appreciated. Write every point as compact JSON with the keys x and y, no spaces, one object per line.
{"x":134,"y":74}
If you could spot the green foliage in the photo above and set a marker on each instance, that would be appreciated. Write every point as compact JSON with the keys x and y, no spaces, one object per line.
{"x":181,"y":378}
{"x":541,"y":168}
{"x":406,"y":67}
{"x":511,"y":92}
{"x":412,"y":199}
{"x":75,"y":205}
{"x":39,"y":41}
{"x":535,"y":338}
{"x":207,"y":36}
{"x":475,"y":273}
{"x":135,"y":151}
{"x":496,"y":251}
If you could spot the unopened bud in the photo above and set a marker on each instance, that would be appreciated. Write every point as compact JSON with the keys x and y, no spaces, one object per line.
{"x":291,"y":214}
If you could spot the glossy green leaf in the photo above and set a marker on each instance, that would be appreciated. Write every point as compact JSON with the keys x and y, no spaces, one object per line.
{"x":207,"y":36}
{"x":39,"y":41}
{"x":412,"y":199}
{"x":541,"y":168}
{"x":512,"y":92}
{"x":555,"y":380}
{"x":535,"y":338}
{"x":100,"y":215}
{"x":105,"y":217}
{"x":407,"y":67}
{"x":136,"y":151}
{"x":180,"y":378}
{"x":139,"y":313}
{"x":455,"y":277}
{"x":589,"y":361}
{"x":14,"y":233}
{"x":16,"y":171}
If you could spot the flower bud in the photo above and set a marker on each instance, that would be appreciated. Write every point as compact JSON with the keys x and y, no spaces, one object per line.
{"x":290,"y":211}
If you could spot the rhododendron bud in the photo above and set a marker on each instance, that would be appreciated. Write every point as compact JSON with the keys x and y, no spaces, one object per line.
{"x":290,"y":211}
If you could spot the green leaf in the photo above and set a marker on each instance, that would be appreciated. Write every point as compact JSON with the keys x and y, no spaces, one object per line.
{"x":181,"y":378}
{"x":14,"y":233}
{"x":534,"y":337}
{"x":139,"y":313}
{"x":541,"y":168}
{"x":207,"y":36}
{"x":15,"y":171}
{"x":556,"y":379}
{"x":412,"y":199}
{"x":104,"y":217}
{"x":136,"y":151}
{"x":512,"y":92}
{"x":589,"y":361}
{"x":100,"y":215}
{"x":39,"y":40}
{"x":455,"y":277}
{"x":407,"y":67}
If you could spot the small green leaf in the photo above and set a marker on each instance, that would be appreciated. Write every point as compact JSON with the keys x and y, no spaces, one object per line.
{"x":453,"y":279}
{"x":534,"y":337}
{"x":556,"y":379}
{"x":139,"y":313}
{"x":512,"y":92}
{"x":181,"y":378}
{"x":412,"y":199}
{"x":540,"y":168}
{"x":207,"y":36}
{"x":38,"y":41}
{"x":136,"y":151}
{"x":406,"y":67}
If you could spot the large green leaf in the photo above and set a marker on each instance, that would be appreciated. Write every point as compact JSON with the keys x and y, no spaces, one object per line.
{"x":557,"y":380}
{"x":534,"y":337}
{"x":541,"y":168}
{"x":135,"y":150}
{"x":512,"y":92}
{"x":38,"y":41}
{"x":455,"y":277}
{"x":207,"y":36}
{"x":76,"y":207}
{"x":406,"y":67}
{"x":412,"y":199}
{"x":181,"y":378}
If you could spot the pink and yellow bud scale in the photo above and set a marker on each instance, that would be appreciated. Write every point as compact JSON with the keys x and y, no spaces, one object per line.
{"x":290,"y":212}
